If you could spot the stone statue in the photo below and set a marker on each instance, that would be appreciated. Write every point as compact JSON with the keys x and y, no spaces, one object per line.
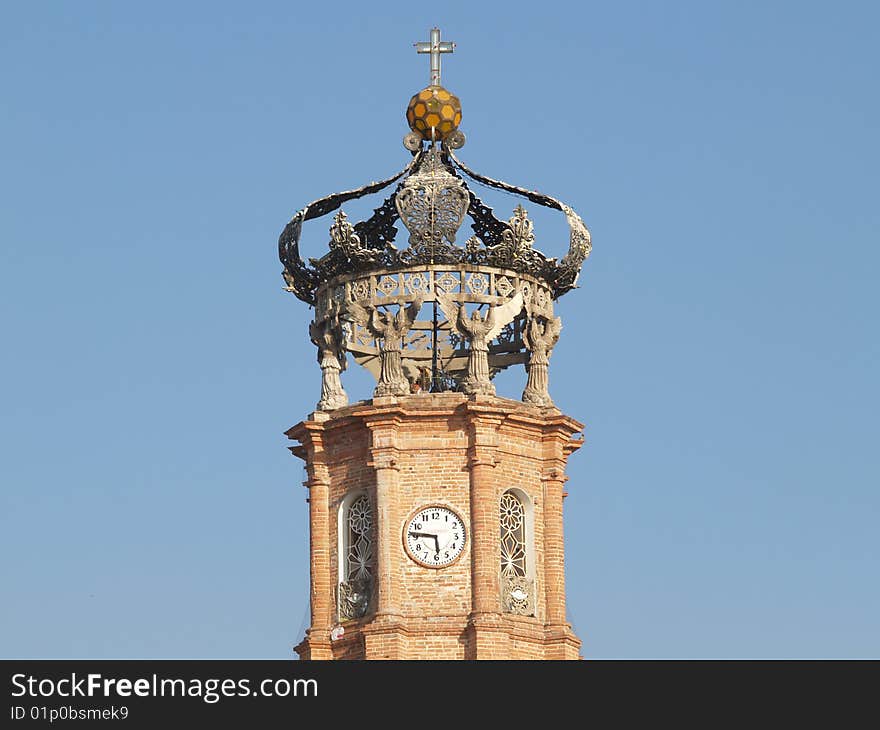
{"x":326,"y":334}
{"x":479,"y":332}
{"x":540,"y":336}
{"x":391,"y":331}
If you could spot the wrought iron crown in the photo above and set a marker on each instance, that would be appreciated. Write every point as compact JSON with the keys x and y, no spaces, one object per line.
{"x":491,"y":299}
{"x":431,"y":200}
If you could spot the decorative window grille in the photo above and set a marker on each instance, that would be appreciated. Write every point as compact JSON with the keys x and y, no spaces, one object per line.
{"x":517,"y":588}
{"x":356,"y":578}
{"x":513,"y":536}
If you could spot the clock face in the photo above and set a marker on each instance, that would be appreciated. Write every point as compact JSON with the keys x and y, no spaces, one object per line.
{"x":434,"y":536}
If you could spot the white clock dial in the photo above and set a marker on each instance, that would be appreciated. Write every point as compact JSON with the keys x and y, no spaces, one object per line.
{"x":435,"y":536}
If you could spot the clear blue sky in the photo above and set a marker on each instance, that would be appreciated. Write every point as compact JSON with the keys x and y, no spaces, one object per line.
{"x":722,"y":349}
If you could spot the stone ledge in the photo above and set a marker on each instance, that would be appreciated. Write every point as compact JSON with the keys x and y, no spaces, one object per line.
{"x":438,"y":405}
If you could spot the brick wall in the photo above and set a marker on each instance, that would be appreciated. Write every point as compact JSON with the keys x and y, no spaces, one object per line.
{"x":458,"y":451}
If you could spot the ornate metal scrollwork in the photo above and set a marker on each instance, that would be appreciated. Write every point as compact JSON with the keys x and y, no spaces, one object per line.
{"x":302,"y":280}
{"x":434,"y":341}
{"x":566,"y":275}
{"x":518,"y":595}
{"x":562,"y":277}
{"x":432,"y":204}
{"x":488,"y":229}
{"x":354,"y":593}
{"x":365,"y":270}
{"x":456,"y":140}
{"x":517,"y":589}
{"x":353,"y":599}
{"x":512,"y":518}
{"x":348,"y":243}
{"x":515,"y":250}
{"x":378,"y":231}
{"x":347,"y":251}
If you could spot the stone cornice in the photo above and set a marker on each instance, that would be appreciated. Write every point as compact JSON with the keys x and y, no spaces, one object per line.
{"x":439,"y":405}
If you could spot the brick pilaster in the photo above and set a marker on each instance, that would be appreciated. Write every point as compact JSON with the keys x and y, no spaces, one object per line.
{"x":482,"y":457}
{"x":384,"y":460}
{"x":321,"y":584}
{"x":561,"y":642}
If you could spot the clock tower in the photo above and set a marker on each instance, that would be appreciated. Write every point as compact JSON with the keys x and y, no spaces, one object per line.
{"x":435,"y":506}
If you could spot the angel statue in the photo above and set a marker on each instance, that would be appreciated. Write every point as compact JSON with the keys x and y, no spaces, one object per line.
{"x":479,"y":332}
{"x":327,"y":335}
{"x":540,"y":337}
{"x":391,"y":331}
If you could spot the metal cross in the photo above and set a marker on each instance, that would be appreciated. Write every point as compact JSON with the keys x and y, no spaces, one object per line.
{"x":435,"y":48}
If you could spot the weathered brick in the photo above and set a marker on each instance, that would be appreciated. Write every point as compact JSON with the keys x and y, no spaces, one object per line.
{"x":462,"y":452}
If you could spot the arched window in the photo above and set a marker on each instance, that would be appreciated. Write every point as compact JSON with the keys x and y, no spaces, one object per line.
{"x":513,"y":535}
{"x":356,"y":565}
{"x":517,"y":553}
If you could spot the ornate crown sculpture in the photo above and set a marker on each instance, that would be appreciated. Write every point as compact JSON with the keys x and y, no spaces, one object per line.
{"x":488,"y":304}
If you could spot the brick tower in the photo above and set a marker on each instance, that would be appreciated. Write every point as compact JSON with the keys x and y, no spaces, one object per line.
{"x":435,"y":508}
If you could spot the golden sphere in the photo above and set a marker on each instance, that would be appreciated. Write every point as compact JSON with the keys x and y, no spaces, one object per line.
{"x":434,"y":108}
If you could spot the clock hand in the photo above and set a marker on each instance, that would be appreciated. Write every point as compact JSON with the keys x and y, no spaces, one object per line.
{"x":428,"y":534}
{"x":422,"y":534}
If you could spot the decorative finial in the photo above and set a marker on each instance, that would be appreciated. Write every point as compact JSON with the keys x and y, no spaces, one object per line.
{"x":435,"y":48}
{"x":434,"y":113}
